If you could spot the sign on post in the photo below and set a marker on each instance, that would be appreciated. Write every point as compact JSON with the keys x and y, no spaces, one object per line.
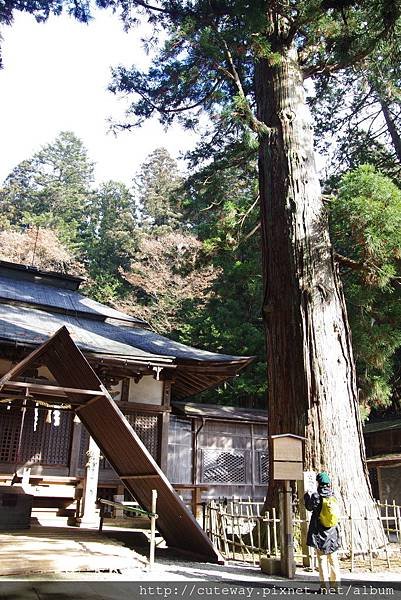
{"x":287,"y":455}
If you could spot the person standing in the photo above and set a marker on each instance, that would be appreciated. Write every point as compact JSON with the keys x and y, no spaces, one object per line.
{"x":323,"y":532}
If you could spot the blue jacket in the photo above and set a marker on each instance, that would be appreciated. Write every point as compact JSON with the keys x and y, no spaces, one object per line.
{"x":326,"y":539}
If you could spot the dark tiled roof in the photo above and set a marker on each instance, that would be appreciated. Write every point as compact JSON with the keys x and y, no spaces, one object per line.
{"x":59,"y":299}
{"x":30,"y":325}
{"x":31,"y":273}
{"x":380,"y":459}
{"x":387,"y":425}
{"x":192,"y":409}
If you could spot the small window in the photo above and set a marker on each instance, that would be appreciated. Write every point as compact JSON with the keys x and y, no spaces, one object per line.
{"x":222,"y":466}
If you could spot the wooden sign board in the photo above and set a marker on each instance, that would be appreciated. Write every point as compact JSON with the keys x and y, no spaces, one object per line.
{"x":287,"y":448}
{"x":286,"y":470}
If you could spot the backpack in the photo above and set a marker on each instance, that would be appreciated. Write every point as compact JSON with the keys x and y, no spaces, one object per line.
{"x":329,"y":512}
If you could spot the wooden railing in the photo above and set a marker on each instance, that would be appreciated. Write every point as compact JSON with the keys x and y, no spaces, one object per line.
{"x":130,"y":507}
{"x":240,"y":530}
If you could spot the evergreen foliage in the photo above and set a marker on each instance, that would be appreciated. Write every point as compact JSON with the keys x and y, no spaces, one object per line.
{"x":157,"y":188}
{"x":222,"y":207}
{"x":51,"y":189}
{"x":111,"y":239}
{"x":366,"y":229}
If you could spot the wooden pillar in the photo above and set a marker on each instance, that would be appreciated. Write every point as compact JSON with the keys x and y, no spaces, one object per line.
{"x":286,"y":532}
{"x":165,"y":424}
{"x":90,"y":516}
{"x":75,"y":446}
{"x":306,"y":557}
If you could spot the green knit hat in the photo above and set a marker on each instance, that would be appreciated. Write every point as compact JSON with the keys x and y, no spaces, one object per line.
{"x":323,"y":478}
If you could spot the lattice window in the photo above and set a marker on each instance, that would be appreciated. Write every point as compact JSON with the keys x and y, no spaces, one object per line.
{"x":263,"y":467}
{"x":46,"y":444}
{"x":223,"y":466}
{"x":83,"y":447}
{"x":10,"y":423}
{"x":147,"y":428}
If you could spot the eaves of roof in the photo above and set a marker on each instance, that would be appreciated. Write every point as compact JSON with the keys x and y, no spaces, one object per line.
{"x":196,"y":370}
{"x":224,"y":413}
{"x":376,"y":426}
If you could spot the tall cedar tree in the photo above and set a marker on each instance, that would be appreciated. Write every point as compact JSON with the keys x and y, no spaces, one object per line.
{"x":247,"y":61}
{"x":157,"y":186}
{"x":52,"y":188}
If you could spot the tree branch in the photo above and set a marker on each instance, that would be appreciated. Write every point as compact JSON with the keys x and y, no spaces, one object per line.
{"x":329,"y":68}
{"x":354,"y":265}
{"x":257,"y":126}
{"x":152,"y":8}
{"x":394,"y":135}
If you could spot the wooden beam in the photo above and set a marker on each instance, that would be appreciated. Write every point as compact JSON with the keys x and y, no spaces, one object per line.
{"x":143,"y":476}
{"x":30,"y":359}
{"x":130,"y":361}
{"x":51,"y":389}
{"x":138,"y":406}
{"x":91,"y":401}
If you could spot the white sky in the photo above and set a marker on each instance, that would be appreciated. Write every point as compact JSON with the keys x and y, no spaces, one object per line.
{"x":55,"y":78}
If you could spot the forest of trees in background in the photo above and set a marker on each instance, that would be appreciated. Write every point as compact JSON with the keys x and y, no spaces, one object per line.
{"x":183,"y":252}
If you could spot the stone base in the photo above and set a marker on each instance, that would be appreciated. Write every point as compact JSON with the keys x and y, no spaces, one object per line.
{"x":270,"y":566}
{"x":84,"y":522}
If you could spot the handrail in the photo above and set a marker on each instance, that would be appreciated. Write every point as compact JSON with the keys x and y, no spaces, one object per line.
{"x":127,"y":506}
{"x":135,"y":509}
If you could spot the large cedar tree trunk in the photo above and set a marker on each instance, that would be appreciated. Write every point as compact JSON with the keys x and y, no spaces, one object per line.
{"x":311,"y":373}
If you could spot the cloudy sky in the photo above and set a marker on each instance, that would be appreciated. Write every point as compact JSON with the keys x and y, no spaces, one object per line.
{"x":55,"y":78}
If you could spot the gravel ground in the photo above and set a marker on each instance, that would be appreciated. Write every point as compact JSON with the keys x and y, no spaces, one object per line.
{"x":174,"y":575}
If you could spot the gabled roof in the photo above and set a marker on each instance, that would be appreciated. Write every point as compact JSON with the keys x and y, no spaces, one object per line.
{"x":33,"y":326}
{"x":58,"y":299}
{"x":31,"y":312}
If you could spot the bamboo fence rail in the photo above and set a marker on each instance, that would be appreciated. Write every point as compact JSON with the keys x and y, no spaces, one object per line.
{"x":129,"y":507}
{"x":240,"y":530}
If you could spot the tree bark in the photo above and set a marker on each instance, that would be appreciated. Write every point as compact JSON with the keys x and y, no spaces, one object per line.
{"x":311,"y":372}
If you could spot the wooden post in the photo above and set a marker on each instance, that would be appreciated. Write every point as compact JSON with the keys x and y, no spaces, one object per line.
{"x":268,"y":535}
{"x":397,"y":533}
{"x":90,"y":516}
{"x":75,"y":446}
{"x":306,"y":558}
{"x":251,"y":526}
{"x":153,"y":530}
{"x":163,"y":439}
{"x":224,"y":527}
{"x":232,"y":532}
{"x":286,"y":532}
{"x":275,"y":531}
{"x":386,"y":529}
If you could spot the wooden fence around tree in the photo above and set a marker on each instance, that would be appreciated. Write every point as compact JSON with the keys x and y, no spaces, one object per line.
{"x":240,"y":530}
